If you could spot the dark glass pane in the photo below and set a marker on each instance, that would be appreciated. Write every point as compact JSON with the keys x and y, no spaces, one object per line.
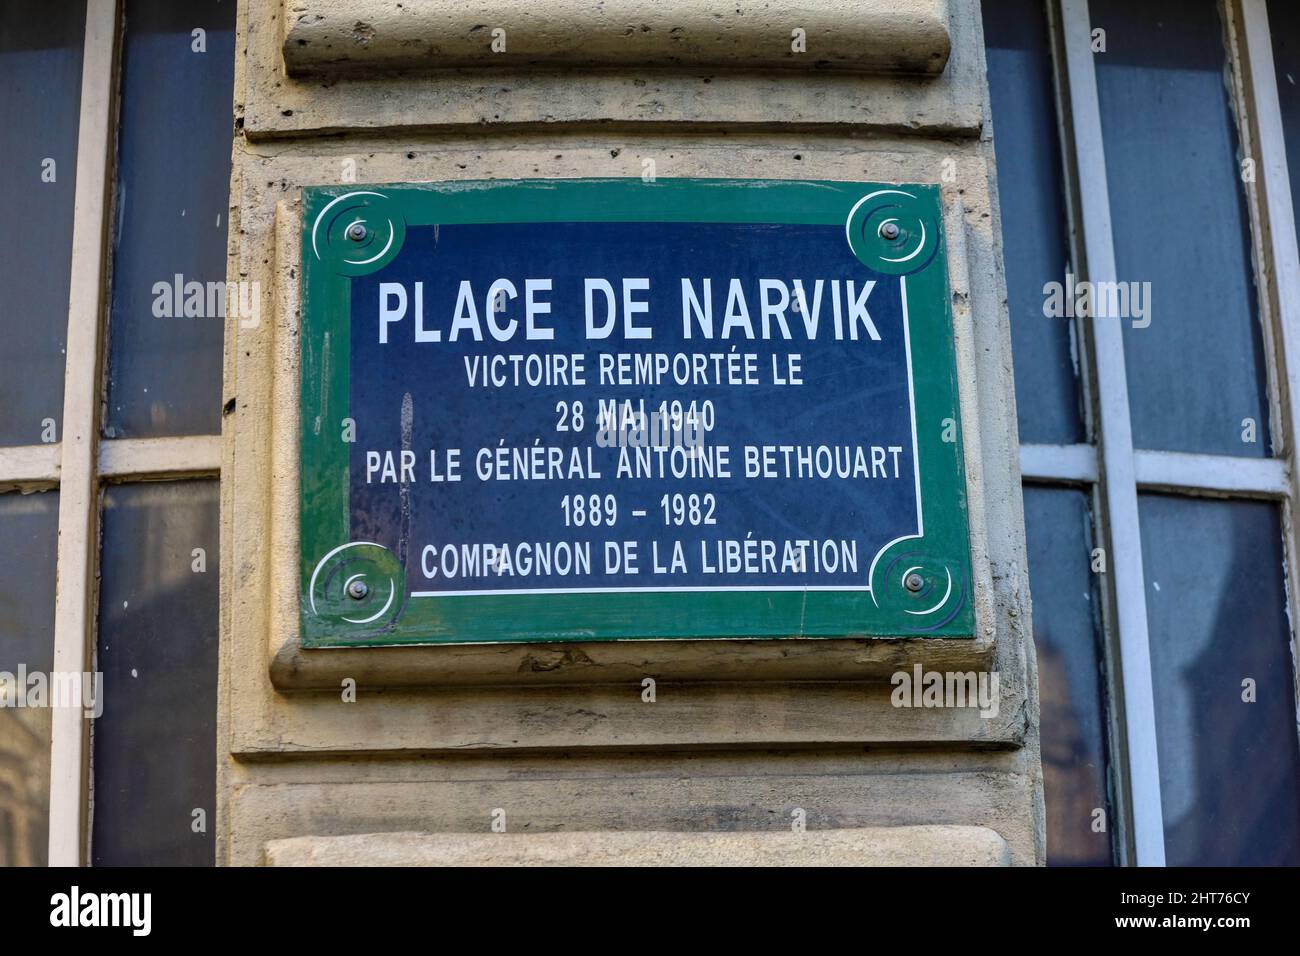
{"x":1179,"y":216}
{"x":173,"y":189}
{"x":1284,"y":28}
{"x":155,"y":745}
{"x":1034,"y":230}
{"x":1071,"y":688}
{"x":1216,"y":608}
{"x":29,"y":526}
{"x":40,"y":100}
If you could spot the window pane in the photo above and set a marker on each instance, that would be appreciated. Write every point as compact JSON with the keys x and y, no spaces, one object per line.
{"x":173,"y":186}
{"x":40,"y":100}
{"x":29,"y":532}
{"x":1179,"y":217}
{"x":1216,"y":607}
{"x":1284,"y":29}
{"x":155,"y":744}
{"x":1071,"y":687}
{"x":1034,"y":231}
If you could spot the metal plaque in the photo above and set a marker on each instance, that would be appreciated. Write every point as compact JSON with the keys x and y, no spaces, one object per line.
{"x":615,"y":409}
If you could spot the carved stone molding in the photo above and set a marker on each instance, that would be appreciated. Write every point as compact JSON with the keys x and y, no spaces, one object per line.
{"x":854,"y":36}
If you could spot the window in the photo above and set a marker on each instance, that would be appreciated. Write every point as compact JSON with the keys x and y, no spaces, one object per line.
{"x":28,"y":524}
{"x":110,"y":414}
{"x":1156,"y":519}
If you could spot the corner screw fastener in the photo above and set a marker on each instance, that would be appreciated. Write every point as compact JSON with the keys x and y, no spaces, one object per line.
{"x":358,"y":590}
{"x":356,"y":232}
{"x":914,"y":582}
{"x":889,"y":231}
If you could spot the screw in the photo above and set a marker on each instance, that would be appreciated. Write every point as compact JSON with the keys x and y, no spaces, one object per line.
{"x":356,"y":232}
{"x":914,"y":582}
{"x":358,"y":590}
{"x":889,"y":230}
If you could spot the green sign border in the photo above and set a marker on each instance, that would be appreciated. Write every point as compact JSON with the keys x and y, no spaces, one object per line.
{"x":941,"y":607}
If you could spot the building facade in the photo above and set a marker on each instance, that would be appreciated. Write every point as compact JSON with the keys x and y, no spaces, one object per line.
{"x":1122,"y":302}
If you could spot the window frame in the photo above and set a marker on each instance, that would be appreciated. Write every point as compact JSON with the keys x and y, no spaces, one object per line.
{"x":1108,"y":464}
{"x":82,"y":462}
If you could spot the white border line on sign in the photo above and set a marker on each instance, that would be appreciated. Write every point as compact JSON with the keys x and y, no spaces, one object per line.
{"x":916,"y":465}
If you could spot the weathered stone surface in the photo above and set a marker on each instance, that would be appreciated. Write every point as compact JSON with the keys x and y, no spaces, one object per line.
{"x":742,"y":733}
{"x":873,"y":846}
{"x":505,"y":93}
{"x":865,"y":36}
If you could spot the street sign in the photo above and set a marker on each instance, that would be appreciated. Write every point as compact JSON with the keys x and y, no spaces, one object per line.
{"x":614,"y":409}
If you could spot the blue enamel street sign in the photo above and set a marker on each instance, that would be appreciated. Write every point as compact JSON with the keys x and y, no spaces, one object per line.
{"x":593,"y":410}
